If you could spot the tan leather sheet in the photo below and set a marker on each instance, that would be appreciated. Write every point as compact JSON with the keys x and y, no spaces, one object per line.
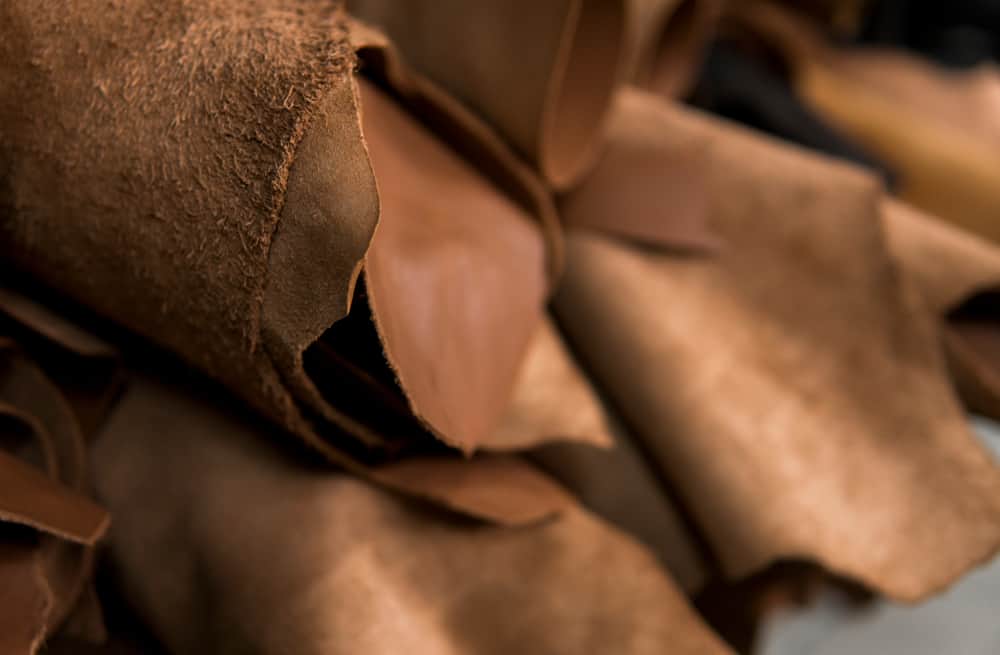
{"x":227,"y":545}
{"x":791,"y":387}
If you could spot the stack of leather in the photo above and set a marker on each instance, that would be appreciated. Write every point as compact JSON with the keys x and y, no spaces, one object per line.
{"x":446,"y":327}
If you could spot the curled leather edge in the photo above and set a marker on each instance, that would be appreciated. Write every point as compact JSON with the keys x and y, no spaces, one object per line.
{"x":670,"y":39}
{"x":297,"y":311}
{"x":590,"y":65}
{"x":464,"y":131}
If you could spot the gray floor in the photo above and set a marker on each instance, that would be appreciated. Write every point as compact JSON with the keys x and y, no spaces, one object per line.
{"x":963,"y":621}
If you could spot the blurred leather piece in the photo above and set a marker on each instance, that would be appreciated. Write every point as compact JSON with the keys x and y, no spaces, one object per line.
{"x":48,"y":525}
{"x":790,"y":387}
{"x":945,"y":146}
{"x":331,"y":564}
{"x":542,"y":74}
{"x":645,"y":188}
{"x":669,"y":40}
{"x":178,"y":188}
{"x":959,"y":276}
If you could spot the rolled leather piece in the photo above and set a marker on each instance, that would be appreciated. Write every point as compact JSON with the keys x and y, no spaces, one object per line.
{"x":48,"y":524}
{"x":791,"y":387}
{"x":668,"y":42}
{"x":178,"y":153}
{"x":944,"y":147}
{"x":958,"y":275}
{"x":223,"y":208}
{"x":542,"y":74}
{"x":225,"y":545}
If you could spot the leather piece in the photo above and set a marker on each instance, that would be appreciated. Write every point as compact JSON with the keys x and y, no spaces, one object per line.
{"x":644,"y":188}
{"x":244,"y":298}
{"x":944,"y":148}
{"x":776,"y":385}
{"x":455,"y":277}
{"x":551,"y":109}
{"x":86,"y":369}
{"x":45,"y":566}
{"x":25,"y":599}
{"x":736,"y":85}
{"x":177,"y":187}
{"x":30,"y":498}
{"x":366,"y":572}
{"x":553,"y":400}
{"x":668,"y":41}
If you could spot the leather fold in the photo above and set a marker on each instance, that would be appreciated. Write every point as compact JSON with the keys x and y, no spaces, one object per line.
{"x":329,"y":564}
{"x":668,"y":43}
{"x":541,"y":74}
{"x":646,"y":187}
{"x":48,"y":524}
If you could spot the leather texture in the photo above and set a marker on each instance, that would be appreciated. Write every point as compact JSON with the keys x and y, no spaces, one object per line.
{"x":803,"y":340}
{"x":368,"y":571}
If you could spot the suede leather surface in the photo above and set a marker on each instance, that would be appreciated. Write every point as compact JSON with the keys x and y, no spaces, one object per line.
{"x":175,"y":187}
{"x":369,"y":572}
{"x":788,"y":344}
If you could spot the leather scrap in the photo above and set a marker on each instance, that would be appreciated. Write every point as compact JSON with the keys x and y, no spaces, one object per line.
{"x":776,"y":384}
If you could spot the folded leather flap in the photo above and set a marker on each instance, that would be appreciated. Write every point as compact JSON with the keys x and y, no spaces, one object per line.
{"x":958,"y":275}
{"x":948,"y":265}
{"x":500,"y":489}
{"x":669,"y":40}
{"x":43,"y":321}
{"x":647,"y":186}
{"x":29,"y":497}
{"x":455,"y":277}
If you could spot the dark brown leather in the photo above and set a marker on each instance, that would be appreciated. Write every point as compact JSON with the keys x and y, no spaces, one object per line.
{"x":48,"y":526}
